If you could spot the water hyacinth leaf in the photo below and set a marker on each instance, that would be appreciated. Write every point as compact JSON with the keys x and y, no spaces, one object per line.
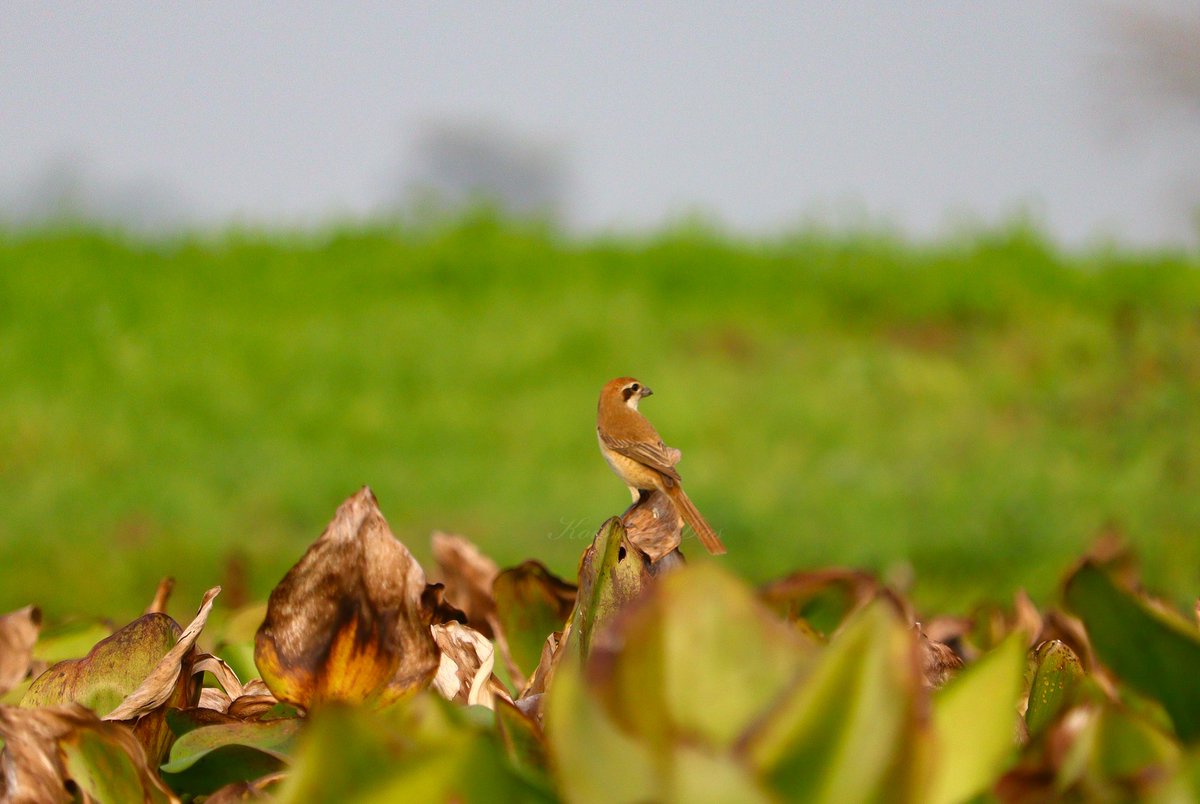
{"x":700,"y":656}
{"x":468,"y":575}
{"x":348,"y":622}
{"x":612,"y":573}
{"x":1114,"y":755}
{"x":531,"y":603}
{"x":1056,"y":671}
{"x":157,"y":688}
{"x":849,"y":732}
{"x":116,"y":668}
{"x":421,"y":749}
{"x":975,"y":718}
{"x":18,"y":634}
{"x":700,"y":777}
{"x":523,"y":741}
{"x":593,"y":759}
{"x":465,"y":670}
{"x":112,"y":669}
{"x":1151,"y":651}
{"x":654,"y":526}
{"x":210,"y":757}
{"x":48,"y":746}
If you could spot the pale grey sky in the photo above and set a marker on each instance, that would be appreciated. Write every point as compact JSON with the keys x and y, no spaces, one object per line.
{"x":919,"y":114}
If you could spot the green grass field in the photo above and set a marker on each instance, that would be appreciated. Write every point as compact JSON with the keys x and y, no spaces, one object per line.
{"x":972,"y":412}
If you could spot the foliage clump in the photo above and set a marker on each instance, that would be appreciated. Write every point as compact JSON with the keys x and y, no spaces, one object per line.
{"x":643,"y":680}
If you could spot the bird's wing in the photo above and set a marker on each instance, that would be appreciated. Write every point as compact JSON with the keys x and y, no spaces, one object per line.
{"x":654,"y":454}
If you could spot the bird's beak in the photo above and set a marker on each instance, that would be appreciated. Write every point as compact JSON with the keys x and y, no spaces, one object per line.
{"x":646,"y":391}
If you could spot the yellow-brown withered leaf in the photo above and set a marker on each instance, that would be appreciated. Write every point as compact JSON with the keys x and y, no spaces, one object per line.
{"x":347,"y":622}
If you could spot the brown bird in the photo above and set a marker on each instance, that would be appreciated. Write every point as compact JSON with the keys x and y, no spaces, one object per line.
{"x":639,"y":457}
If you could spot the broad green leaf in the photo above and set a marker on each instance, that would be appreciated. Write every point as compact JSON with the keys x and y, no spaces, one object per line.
{"x":1056,"y":670}
{"x":105,"y":770}
{"x":849,"y":732}
{"x":523,"y":741}
{"x":701,"y":657}
{"x":699,"y":777}
{"x":975,"y":723}
{"x":612,"y":573}
{"x":1151,"y":651}
{"x":115,"y":668}
{"x":1116,"y":755}
{"x":593,"y":759}
{"x":423,"y":749}
{"x":112,"y":669}
{"x":531,"y":602}
{"x":206,"y":758}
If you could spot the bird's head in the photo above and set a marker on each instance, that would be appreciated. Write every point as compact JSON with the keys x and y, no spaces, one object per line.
{"x":626,"y":391}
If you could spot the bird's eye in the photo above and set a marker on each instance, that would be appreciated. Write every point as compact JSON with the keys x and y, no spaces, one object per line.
{"x":633,"y":387}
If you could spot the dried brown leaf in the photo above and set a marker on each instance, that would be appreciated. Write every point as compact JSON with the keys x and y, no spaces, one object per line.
{"x":18,"y":634}
{"x":222,"y":672}
{"x":468,"y":575}
{"x":653,"y":525}
{"x":252,"y":707}
{"x":347,"y":622}
{"x":465,"y":671}
{"x":257,"y":790}
{"x":160,"y":684}
{"x":939,"y":662}
{"x":161,"y":596}
{"x":214,"y":700}
{"x":34,"y":766}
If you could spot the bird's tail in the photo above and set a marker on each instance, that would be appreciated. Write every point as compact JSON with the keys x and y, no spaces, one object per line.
{"x":708,"y":536}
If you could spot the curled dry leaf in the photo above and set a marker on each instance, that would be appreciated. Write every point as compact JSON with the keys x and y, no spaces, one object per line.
{"x":347,"y":622}
{"x":222,"y":672}
{"x":159,"y":685}
{"x":47,"y":746}
{"x":468,"y":575}
{"x":939,"y":662}
{"x":214,"y":699}
{"x":161,"y":596}
{"x":653,"y":524}
{"x":18,"y":635}
{"x":465,"y":671}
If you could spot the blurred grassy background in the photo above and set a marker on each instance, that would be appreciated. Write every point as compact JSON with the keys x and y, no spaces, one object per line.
{"x":974,"y":411}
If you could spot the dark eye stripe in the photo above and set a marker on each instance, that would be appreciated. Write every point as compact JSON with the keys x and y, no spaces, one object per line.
{"x":627,"y":392}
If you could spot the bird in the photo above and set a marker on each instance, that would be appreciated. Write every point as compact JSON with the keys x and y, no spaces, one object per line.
{"x":639,"y":457}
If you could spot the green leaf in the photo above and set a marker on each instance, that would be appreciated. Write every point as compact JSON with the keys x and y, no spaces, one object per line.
{"x":523,"y":741}
{"x":1149,"y":650}
{"x":206,"y":758}
{"x":531,"y":602}
{"x":612,"y":573}
{"x":111,"y":670}
{"x":849,"y":732}
{"x":1056,"y":671}
{"x":423,"y":749}
{"x":975,"y":722}
{"x":702,"y":657}
{"x":594,"y":760}
{"x":699,"y":777}
{"x":105,"y":770}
